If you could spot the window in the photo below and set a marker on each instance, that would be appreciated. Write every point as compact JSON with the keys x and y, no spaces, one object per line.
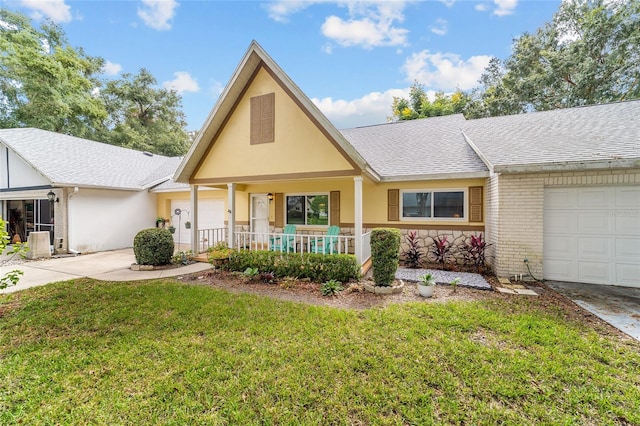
{"x":433,"y":205}
{"x":263,"y":118}
{"x":308,"y":209}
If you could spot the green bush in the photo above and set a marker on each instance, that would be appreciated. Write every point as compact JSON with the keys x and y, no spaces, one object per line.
{"x":153,"y":246}
{"x":331,"y":288}
{"x":316,"y":267}
{"x":385,"y":254}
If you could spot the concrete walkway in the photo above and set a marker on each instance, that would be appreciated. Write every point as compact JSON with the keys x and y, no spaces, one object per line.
{"x":619,"y":306}
{"x":108,"y":266}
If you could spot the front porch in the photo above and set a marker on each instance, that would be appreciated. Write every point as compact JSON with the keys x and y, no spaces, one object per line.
{"x":302,"y":242}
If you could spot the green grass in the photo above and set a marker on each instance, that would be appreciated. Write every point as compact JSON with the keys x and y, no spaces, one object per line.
{"x":162,"y":352}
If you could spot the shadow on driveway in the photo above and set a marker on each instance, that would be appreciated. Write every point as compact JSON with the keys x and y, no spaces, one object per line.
{"x":619,"y":306}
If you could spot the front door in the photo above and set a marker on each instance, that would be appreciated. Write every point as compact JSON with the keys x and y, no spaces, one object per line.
{"x":260,"y":217}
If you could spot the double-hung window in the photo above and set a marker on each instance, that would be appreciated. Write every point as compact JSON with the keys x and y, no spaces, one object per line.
{"x":308,"y":209}
{"x":433,"y":204}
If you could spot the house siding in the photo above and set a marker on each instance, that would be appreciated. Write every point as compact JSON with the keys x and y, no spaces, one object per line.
{"x":517,"y":233}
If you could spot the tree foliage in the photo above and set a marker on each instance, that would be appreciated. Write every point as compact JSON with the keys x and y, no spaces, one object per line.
{"x":47,"y":84}
{"x":419,"y":106}
{"x":588,"y":53}
{"x":44,"y":82}
{"x":144,"y":117}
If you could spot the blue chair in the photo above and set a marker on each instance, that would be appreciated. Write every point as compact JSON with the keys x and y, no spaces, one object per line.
{"x":286,"y":241}
{"x":328,"y":243}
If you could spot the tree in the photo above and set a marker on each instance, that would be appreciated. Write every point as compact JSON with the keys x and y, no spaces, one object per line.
{"x":419,"y":106}
{"x":44,"y":82}
{"x":589,"y":53}
{"x":10,"y":278}
{"x":143,"y":117}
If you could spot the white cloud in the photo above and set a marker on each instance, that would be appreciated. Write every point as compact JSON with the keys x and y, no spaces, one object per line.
{"x":110,"y":68}
{"x":370,"y":24}
{"x":216,"y":89}
{"x":445,"y":71}
{"x":280,"y":10}
{"x":505,"y":7}
{"x":182,"y":83}
{"x":448,"y":3}
{"x":56,"y":10}
{"x":481,"y":7}
{"x":373,"y":108}
{"x":440,"y":27}
{"x":157,"y":14}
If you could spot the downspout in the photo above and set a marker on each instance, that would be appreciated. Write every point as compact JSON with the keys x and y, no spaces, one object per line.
{"x":66,"y":207}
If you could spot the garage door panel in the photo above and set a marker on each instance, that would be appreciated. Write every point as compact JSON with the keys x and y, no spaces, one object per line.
{"x":591,"y":222}
{"x":626,"y":222}
{"x":627,"y":197}
{"x":560,"y":222}
{"x":564,"y":247}
{"x":561,"y":198}
{"x":628,"y":274}
{"x":628,"y":248}
{"x":593,"y":198}
{"x":561,"y":270}
{"x":595,"y":272}
{"x":596,"y":248}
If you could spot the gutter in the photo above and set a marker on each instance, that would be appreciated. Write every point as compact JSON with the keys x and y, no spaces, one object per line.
{"x":568,"y":166}
{"x":438,"y":176}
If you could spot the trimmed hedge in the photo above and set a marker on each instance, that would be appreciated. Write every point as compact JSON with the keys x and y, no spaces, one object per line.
{"x":316,"y":267}
{"x":153,"y":246}
{"x":385,"y":254}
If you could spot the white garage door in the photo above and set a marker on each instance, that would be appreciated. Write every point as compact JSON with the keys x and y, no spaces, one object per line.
{"x":210,"y":215}
{"x":592,"y":235}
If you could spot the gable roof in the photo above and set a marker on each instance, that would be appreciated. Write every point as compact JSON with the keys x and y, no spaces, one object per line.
{"x":596,"y":136}
{"x":255,"y":58}
{"x":428,"y":148}
{"x":70,"y":161}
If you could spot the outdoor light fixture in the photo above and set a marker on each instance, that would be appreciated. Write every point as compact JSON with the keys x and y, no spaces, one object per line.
{"x":270,"y":197}
{"x":51,"y":196}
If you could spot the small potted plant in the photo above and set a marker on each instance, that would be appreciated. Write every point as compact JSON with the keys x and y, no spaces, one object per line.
{"x":426,"y":284}
{"x":172,"y":229}
{"x":218,"y":255}
{"x":160,"y":222}
{"x":187,"y":225}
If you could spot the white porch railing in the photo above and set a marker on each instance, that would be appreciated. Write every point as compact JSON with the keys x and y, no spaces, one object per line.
{"x":366,"y":247}
{"x":300,"y":243}
{"x":210,"y":237}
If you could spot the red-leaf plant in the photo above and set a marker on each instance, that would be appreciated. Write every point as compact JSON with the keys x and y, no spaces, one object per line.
{"x":441,"y":251}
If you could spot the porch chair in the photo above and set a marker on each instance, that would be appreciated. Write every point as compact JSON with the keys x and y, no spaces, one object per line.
{"x":285,"y":242}
{"x":327,"y":243}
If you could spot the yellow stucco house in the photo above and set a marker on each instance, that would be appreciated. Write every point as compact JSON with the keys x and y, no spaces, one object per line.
{"x":267,"y":157}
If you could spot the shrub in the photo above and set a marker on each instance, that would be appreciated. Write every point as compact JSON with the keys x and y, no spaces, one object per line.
{"x":473,"y":252}
{"x":331,"y":288}
{"x":182,"y":258}
{"x":441,"y":251}
{"x":153,"y":246}
{"x":385,"y":253}
{"x":219,"y":254}
{"x":413,"y":255}
{"x":316,"y":267}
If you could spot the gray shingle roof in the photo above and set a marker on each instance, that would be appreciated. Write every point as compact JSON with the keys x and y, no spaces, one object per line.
{"x":599,"y":133}
{"x":425,"y":148}
{"x":70,"y":161}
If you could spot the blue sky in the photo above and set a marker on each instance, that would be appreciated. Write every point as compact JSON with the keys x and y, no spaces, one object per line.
{"x":350,"y":58}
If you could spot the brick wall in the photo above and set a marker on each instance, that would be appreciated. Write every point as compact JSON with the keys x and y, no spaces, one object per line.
{"x":517,"y":231}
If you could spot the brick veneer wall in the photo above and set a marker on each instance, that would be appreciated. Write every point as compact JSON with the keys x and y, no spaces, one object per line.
{"x":515,"y":206}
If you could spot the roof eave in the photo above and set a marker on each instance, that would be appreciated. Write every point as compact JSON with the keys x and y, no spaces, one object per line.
{"x":437,"y":176}
{"x":567,"y":166}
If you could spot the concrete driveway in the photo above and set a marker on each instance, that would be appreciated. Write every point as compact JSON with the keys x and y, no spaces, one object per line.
{"x":108,"y":266}
{"x":619,"y":306}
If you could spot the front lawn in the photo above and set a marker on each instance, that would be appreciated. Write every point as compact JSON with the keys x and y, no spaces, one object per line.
{"x":164,"y":352}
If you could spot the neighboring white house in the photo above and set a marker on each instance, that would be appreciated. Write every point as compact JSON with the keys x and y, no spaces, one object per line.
{"x":100,"y":192}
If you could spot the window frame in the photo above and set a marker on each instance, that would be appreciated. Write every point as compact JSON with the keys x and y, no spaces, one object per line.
{"x":465,"y":205}
{"x":305,"y":195}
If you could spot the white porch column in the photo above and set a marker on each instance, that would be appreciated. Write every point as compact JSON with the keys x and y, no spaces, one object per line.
{"x":194,"y":220}
{"x":231,"y":190}
{"x":357,"y":220}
